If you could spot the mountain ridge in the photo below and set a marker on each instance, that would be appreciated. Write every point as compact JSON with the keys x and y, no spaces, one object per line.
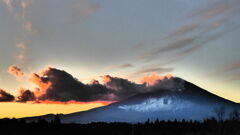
{"x":163,"y":103}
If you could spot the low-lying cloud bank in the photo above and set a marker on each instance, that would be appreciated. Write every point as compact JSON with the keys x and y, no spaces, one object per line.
{"x":54,"y":85}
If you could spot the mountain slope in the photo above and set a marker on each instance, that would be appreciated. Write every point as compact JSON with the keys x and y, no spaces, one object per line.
{"x":172,"y":99}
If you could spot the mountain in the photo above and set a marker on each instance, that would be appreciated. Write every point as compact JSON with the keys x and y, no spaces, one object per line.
{"x":174,"y":99}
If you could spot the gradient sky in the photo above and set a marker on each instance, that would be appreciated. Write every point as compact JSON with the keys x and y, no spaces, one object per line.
{"x":195,"y":40}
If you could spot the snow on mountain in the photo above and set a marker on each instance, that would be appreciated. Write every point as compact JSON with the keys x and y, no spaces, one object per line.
{"x":157,"y":104}
{"x":170,"y":99}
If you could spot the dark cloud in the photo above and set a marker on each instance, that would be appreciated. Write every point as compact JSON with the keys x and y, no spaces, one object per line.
{"x":172,"y":84}
{"x":122,"y":88}
{"x":26,"y":95}
{"x":58,"y":85}
{"x":5,"y":97}
{"x":62,"y":86}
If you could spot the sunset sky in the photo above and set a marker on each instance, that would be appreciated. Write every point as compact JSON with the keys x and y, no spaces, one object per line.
{"x":197,"y":40}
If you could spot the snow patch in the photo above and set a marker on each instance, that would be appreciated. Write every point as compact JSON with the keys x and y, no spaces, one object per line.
{"x":156,"y":104}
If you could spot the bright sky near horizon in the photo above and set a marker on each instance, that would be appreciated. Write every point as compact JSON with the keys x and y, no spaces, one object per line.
{"x":194,"y":40}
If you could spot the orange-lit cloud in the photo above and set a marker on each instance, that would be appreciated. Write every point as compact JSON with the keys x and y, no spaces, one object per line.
{"x":153,"y":78}
{"x":58,"y":86}
{"x":42,"y":84}
{"x":106,"y":78}
{"x":16,"y":71}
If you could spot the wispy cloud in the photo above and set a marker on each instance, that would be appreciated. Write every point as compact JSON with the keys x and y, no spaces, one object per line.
{"x":27,"y":26}
{"x":22,"y":53}
{"x":232,"y":78}
{"x":203,"y":26}
{"x":215,"y":9}
{"x":179,"y":44}
{"x":228,"y":72}
{"x":19,"y":9}
{"x":121,"y":66}
{"x":9,"y":4}
{"x":85,"y":7}
{"x":183,"y":30}
{"x":231,"y":66}
{"x":226,"y":68}
{"x":159,"y":70}
{"x":150,"y":69}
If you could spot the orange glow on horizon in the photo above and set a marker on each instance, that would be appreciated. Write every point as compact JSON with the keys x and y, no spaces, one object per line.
{"x":18,"y":110}
{"x":104,"y":103}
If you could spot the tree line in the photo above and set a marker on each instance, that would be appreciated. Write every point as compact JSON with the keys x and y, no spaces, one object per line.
{"x":217,"y":125}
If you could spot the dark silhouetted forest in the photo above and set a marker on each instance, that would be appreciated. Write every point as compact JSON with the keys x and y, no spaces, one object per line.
{"x":211,"y":126}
